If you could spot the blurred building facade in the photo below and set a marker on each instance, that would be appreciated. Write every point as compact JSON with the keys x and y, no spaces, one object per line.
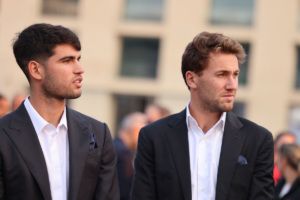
{"x":132,"y":52}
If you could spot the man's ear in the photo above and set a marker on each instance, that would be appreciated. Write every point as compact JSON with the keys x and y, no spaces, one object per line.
{"x":191,"y":79}
{"x":35,"y":70}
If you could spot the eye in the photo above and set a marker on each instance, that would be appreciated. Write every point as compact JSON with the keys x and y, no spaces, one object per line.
{"x":236,"y":74}
{"x":221,"y":74}
{"x":67,"y":61}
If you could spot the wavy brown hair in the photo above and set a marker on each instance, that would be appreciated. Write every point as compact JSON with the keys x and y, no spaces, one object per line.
{"x":197,"y":52}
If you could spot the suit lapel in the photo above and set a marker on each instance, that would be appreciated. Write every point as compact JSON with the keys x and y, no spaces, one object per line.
{"x":230,"y":150}
{"x":78,"y":150}
{"x":178,"y":141}
{"x":23,"y":135}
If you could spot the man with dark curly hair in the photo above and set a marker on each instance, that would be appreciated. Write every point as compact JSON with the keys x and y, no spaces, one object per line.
{"x":47,"y":150}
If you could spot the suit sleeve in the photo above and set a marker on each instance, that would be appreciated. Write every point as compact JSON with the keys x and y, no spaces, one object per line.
{"x":107,"y":186}
{"x":144,"y":179}
{"x":262,"y":187}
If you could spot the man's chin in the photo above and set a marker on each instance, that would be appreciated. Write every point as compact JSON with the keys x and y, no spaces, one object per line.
{"x":227,"y":108}
{"x":73,"y":96}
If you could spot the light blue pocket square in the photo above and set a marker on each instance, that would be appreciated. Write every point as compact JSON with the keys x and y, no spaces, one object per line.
{"x":93,"y":143}
{"x":242,"y":160}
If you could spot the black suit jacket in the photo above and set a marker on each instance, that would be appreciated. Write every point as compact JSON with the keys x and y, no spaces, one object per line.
{"x":293,"y":193}
{"x":163,"y":167}
{"x":23,"y":170}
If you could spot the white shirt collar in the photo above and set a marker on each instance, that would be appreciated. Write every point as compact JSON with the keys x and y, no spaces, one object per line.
{"x":190,"y":119}
{"x":204,"y":150}
{"x":38,"y":121}
{"x":63,"y":119}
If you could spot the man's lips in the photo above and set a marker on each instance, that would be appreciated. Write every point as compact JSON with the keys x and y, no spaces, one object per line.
{"x":78,"y":82}
{"x":229,"y":97}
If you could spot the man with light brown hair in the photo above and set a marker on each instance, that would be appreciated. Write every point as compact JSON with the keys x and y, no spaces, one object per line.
{"x":206,"y":151}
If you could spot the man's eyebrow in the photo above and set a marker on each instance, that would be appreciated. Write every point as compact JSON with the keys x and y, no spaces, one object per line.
{"x":69,"y":58}
{"x":223,"y":71}
{"x":227,"y":71}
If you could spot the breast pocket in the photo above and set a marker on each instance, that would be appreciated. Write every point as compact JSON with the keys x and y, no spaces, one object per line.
{"x":92,"y":163}
{"x":241,"y":178}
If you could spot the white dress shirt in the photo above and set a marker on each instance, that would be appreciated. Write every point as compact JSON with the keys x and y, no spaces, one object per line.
{"x":285,"y":189}
{"x":55,"y":147}
{"x":204,"y":151}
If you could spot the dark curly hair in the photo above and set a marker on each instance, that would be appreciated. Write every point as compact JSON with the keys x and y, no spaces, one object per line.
{"x":37,"y":42}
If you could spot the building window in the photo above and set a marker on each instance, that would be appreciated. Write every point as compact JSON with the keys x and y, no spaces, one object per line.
{"x":139,"y":57}
{"x":297,"y":78}
{"x":144,"y":10}
{"x":60,"y":7}
{"x":239,"y":108}
{"x":126,"y":104}
{"x":232,"y":12}
{"x":244,"y":68}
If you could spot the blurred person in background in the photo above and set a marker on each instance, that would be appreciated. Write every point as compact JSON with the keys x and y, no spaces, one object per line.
{"x":126,"y":144}
{"x":4,"y":105}
{"x":288,"y":161}
{"x":284,"y":137}
{"x":49,"y":151}
{"x":155,"y":112}
{"x":17,"y":101}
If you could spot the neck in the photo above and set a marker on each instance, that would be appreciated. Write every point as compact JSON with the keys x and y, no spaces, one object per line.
{"x":50,"y":109}
{"x":204,"y":118}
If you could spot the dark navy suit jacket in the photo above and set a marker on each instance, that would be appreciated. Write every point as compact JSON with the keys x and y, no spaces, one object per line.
{"x":23,"y":170}
{"x":163,"y":167}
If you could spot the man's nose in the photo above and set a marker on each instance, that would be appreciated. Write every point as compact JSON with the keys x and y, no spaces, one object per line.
{"x":232,"y":83}
{"x":79,"y":68}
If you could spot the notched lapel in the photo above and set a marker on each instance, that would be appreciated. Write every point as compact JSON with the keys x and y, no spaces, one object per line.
{"x":79,"y":144}
{"x":23,"y":135}
{"x":230,"y":151}
{"x":178,"y":141}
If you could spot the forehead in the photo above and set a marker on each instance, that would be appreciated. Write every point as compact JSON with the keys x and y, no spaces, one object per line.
{"x":222,"y":61}
{"x":64,"y":49}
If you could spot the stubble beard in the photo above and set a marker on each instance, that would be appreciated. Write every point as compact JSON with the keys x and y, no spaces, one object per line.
{"x":51,"y":90}
{"x":219,"y":107}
